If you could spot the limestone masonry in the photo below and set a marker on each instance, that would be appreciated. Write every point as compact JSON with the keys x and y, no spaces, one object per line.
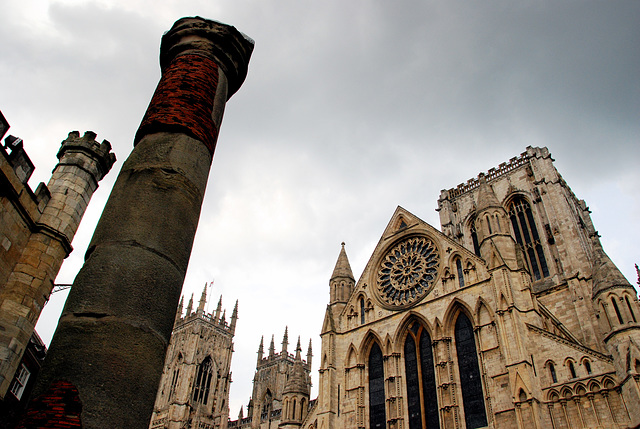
{"x":512,"y":316}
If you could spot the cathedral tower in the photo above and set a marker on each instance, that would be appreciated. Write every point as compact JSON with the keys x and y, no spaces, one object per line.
{"x":271,"y":381}
{"x":194,"y":388}
{"x":510,"y":317}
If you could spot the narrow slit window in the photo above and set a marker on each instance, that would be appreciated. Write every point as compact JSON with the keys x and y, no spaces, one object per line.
{"x":460,"y":272}
{"x":633,"y":316}
{"x":617,"y":310}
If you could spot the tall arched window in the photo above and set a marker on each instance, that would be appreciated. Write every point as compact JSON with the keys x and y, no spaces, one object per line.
{"x":460,"y":272}
{"x":633,"y":316}
{"x":470,"y":382}
{"x":377,"y":412}
{"x":203,"y":381}
{"x":552,"y":371}
{"x":524,"y":228}
{"x":422,"y":400}
{"x":474,"y":236}
{"x":617,"y":310}
{"x":362,"y":317}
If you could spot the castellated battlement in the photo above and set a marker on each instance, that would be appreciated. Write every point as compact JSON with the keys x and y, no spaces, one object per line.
{"x":73,"y":146}
{"x":37,"y":230}
{"x":493,"y":173}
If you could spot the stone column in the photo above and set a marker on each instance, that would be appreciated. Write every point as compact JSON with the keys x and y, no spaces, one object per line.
{"x":83,"y":162}
{"x":115,"y":328}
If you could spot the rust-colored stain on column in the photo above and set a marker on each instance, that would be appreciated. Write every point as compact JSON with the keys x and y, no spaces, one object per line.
{"x":183,"y":101}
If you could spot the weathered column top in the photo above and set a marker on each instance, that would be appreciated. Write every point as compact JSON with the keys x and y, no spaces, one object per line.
{"x":228,"y":47}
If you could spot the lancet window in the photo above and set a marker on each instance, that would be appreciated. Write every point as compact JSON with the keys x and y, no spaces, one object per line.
{"x":474,"y":236}
{"x":422,"y":400}
{"x":527,"y":237}
{"x":377,"y":412}
{"x":203,"y":381}
{"x":470,"y":382}
{"x":460,"y":272}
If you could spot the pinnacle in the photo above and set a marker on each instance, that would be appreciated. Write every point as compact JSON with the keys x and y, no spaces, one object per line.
{"x":342,"y":268}
{"x":486,"y":197}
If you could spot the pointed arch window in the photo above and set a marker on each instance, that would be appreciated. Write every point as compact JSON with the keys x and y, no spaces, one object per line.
{"x":617,"y":310}
{"x":422,"y":400}
{"x":633,"y":316}
{"x":460,"y":273}
{"x":203,"y":381}
{"x":362,"y":316}
{"x":470,"y":382}
{"x":474,"y":236}
{"x":527,"y":237}
{"x":377,"y":412}
{"x":552,"y":372}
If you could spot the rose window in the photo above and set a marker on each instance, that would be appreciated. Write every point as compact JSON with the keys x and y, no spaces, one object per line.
{"x":408,"y":272}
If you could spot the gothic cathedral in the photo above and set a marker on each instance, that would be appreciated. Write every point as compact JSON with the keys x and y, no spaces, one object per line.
{"x":511,"y":316}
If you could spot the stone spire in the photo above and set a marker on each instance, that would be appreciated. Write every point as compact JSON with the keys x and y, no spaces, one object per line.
{"x":180,"y":307}
{"x":298,"y":349}
{"x":189,"y":306}
{"x":203,"y":300}
{"x":342,"y":268}
{"x":223,"y":319}
{"x":272,"y":347}
{"x":342,"y":281}
{"x":605,"y":274}
{"x":285,"y":340}
{"x":309,"y":354}
{"x":261,"y":349}
{"x":486,"y":197}
{"x":218,"y":309}
{"x":234,"y":317}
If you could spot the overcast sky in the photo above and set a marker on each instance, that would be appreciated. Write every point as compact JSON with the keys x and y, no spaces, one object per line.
{"x":350,"y":109}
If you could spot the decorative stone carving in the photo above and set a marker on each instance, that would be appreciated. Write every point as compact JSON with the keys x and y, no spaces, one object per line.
{"x":407,"y":273}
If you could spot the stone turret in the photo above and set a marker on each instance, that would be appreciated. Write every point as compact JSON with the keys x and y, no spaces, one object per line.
{"x":52,"y":220}
{"x":619,"y":314}
{"x":497,"y":247}
{"x":295,"y":397}
{"x":273,"y":374}
{"x":194,"y":384}
{"x":342,"y":281}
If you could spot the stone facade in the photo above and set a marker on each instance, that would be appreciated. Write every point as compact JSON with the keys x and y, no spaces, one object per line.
{"x":512,"y":316}
{"x":194,"y":389}
{"x":36,"y":231}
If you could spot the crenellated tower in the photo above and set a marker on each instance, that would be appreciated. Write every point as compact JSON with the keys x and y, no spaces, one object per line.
{"x":271,"y":379}
{"x":196,"y":376}
{"x":37,"y":230}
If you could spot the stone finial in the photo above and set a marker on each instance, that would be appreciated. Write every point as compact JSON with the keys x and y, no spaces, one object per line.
{"x":234,"y":317}
{"x":285,"y":340}
{"x":272,"y":347}
{"x":261,"y":349}
{"x":342,"y":268}
{"x":190,"y":306}
{"x":486,"y":197}
{"x":203,"y":300}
